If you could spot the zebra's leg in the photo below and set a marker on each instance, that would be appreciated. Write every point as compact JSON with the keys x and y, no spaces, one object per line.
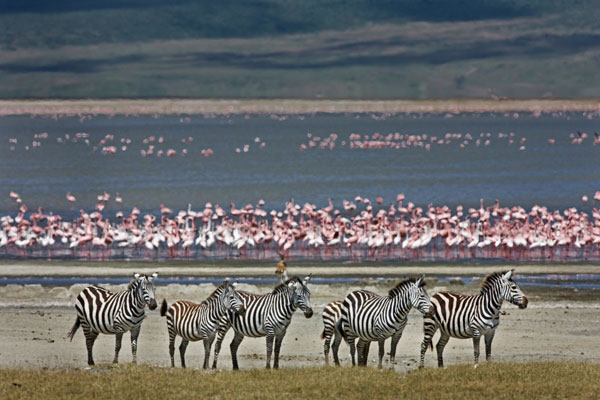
{"x":182,"y":348}
{"x":395,"y":339}
{"x":381,"y":352}
{"x":278,"y":340}
{"x":90,"y":338}
{"x":440,"y":348}
{"x":337,"y":339}
{"x":476,"y":338}
{"x":172,"y":348}
{"x":233,"y":347}
{"x":118,"y":339}
{"x":352,"y":348}
{"x":327,"y":338}
{"x":363,"y":351}
{"x":488,"y":344}
{"x":270,"y":340}
{"x":207,"y":345}
{"x":135,"y":333}
{"x":429,"y":328}
{"x":220,"y":336}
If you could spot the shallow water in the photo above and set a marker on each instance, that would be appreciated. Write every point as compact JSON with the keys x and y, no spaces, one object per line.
{"x":552,"y":175}
{"x":574,"y":281}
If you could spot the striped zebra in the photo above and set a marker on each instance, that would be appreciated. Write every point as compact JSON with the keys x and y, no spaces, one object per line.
{"x":464,"y":317}
{"x":195,"y":322}
{"x":266,"y":315}
{"x":371,"y":317}
{"x":331,"y":315}
{"x":101,"y":311}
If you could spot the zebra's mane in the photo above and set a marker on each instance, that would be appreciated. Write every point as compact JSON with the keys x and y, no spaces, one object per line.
{"x":490,"y":281}
{"x":283,"y":286}
{"x":214,"y":293}
{"x":401,"y":286}
{"x":133,"y":284}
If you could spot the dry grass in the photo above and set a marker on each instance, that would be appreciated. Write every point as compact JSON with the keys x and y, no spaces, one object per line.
{"x":533,"y":381}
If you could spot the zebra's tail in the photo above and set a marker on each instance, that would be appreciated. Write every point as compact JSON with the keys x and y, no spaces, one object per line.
{"x":163,"y":308}
{"x":323,"y":334}
{"x":74,"y":329}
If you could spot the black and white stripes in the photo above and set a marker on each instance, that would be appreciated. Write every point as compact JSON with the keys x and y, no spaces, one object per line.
{"x":101,"y":311}
{"x":371,"y":317}
{"x":195,"y":322}
{"x":332,"y":313}
{"x":461,"y":316}
{"x":266,"y":315}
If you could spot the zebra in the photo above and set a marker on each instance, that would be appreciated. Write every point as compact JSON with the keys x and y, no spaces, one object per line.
{"x":464,"y":317}
{"x":101,"y":311}
{"x":331,"y":315}
{"x":371,"y":317}
{"x":195,"y":322}
{"x":266,"y":315}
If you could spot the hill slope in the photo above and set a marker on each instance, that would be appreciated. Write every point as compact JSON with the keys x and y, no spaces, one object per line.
{"x":310,"y":49}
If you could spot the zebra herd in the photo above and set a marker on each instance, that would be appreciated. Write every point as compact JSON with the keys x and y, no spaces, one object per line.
{"x":363,"y":315}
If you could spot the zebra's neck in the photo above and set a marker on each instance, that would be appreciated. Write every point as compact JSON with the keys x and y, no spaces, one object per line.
{"x":135,"y":297}
{"x":284,"y":298}
{"x":400,"y":303}
{"x":492,"y":298}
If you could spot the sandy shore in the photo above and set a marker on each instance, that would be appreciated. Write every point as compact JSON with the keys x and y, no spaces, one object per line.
{"x":287,"y":106}
{"x":36,"y":320}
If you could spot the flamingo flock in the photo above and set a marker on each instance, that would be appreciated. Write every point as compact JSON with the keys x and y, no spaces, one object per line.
{"x":401,"y":141}
{"x":359,"y":230}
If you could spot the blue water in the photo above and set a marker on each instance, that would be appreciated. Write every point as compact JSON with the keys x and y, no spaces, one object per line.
{"x":555,"y":176}
{"x":574,"y":281}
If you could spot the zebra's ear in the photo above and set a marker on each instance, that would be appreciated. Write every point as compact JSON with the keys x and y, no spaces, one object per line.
{"x":234,"y":284}
{"x":508,"y":275}
{"x":153,"y":276}
{"x":307,"y":279}
{"x":421,"y":281}
{"x":136,"y":276}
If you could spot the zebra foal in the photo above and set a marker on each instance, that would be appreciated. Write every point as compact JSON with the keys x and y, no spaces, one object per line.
{"x":463,"y":317}
{"x":101,"y":311}
{"x":371,"y":317}
{"x":195,"y":322}
{"x":267,"y":315}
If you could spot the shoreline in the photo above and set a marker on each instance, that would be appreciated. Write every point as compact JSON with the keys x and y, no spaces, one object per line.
{"x":267,"y":269}
{"x":73,"y":107}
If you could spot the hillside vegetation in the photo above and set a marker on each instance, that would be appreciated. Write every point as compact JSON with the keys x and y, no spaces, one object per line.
{"x":361,"y":49}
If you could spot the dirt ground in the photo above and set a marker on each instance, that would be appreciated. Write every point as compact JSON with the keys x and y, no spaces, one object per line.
{"x":559,"y":324}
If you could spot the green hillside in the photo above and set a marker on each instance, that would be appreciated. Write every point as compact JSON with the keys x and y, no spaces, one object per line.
{"x":299,"y":49}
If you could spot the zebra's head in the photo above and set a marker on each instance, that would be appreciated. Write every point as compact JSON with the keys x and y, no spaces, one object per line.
{"x":231,"y":300}
{"x":301,"y":295}
{"x":419,"y":298}
{"x":145,"y":289}
{"x":511,"y":292}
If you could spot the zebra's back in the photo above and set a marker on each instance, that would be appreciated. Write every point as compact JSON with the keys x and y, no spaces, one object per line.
{"x":257,"y":307}
{"x":362,"y":314}
{"x":190,"y":320}
{"x":454,"y":313}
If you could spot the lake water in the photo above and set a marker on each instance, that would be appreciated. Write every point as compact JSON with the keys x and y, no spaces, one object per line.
{"x":260,"y":157}
{"x":552,"y":175}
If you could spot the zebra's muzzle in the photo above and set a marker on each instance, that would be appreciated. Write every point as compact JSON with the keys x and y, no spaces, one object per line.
{"x":152,"y":305}
{"x":524,"y":303}
{"x":308,"y":312}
